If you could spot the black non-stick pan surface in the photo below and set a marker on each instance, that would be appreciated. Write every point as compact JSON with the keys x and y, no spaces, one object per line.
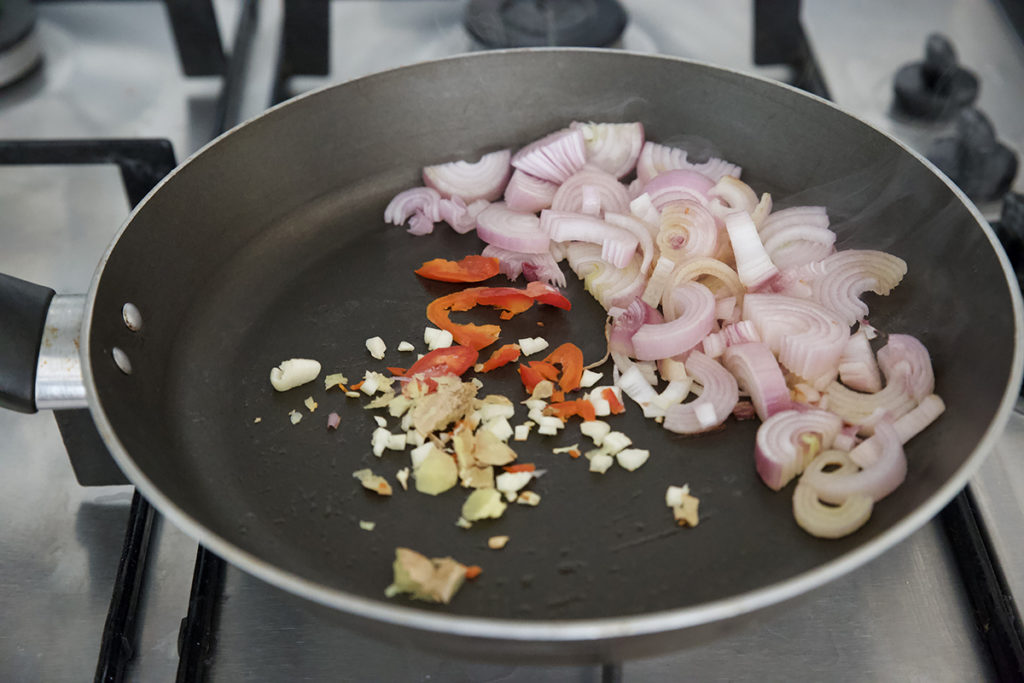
{"x":271,"y":245}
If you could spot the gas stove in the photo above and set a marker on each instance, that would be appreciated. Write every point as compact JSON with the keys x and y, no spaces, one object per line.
{"x":94,"y":581}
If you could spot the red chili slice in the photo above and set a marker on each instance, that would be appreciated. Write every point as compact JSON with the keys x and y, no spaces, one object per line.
{"x":453,"y":360}
{"x":509,"y":300}
{"x":509,"y":353}
{"x":472,"y":268}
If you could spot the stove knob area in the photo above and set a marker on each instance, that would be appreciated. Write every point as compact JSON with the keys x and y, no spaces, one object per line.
{"x":973,"y":158}
{"x":545,"y":23}
{"x":936,"y":88}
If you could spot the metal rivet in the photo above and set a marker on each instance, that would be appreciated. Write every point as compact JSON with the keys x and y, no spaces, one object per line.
{"x":121,"y":360}
{"x":132,"y":317}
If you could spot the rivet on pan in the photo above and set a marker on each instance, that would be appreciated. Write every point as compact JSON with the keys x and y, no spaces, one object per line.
{"x":121,"y":360}
{"x":132,"y":317}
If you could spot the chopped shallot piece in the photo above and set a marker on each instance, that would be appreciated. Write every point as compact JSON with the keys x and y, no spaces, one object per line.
{"x":333,"y":420}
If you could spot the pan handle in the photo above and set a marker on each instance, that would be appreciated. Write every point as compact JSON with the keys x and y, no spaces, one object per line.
{"x":39,"y":360}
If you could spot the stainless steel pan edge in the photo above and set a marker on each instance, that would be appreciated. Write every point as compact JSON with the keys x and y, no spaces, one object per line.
{"x":590,"y":639}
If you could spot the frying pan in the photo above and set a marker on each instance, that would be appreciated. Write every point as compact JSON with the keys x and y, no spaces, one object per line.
{"x":269,"y":244}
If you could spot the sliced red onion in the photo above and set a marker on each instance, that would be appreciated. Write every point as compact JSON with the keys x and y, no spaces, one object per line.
{"x":731,"y":194}
{"x":696,"y":306}
{"x":878,"y":480}
{"x":641,"y":207}
{"x":661,"y":278}
{"x":420,"y":224}
{"x":829,"y":521}
{"x":612,"y":147}
{"x":591,"y":191}
{"x":866,"y":410}
{"x":906,"y":361}
{"x":850,"y":273}
{"x":528,"y":194}
{"x":656,"y":159}
{"x":806,"y":337}
{"x":789,"y":440}
{"x":673,"y":186}
{"x":758,"y":373}
{"x":794,"y":217}
{"x":753,"y":266}
{"x":418,"y":199}
{"x":725,"y":309}
{"x":541,"y":267}
{"x":857,"y":366}
{"x":483,"y":179}
{"x":639,"y":229}
{"x":687,"y":229}
{"x":712,"y":273}
{"x":512,"y":230}
{"x":461,"y":217}
{"x":627,"y":322}
{"x":740,"y":332}
{"x":554,"y":157}
{"x":715,"y":403}
{"x":617,"y":245}
{"x":907,"y":427}
{"x":611,"y":286}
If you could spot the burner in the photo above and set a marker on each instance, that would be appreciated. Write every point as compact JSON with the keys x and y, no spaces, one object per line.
{"x":936,"y":88}
{"x":974,"y":159}
{"x":537,"y":23}
{"x":19,"y":47}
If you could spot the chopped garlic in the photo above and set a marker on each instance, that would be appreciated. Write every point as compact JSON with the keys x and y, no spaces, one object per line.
{"x":381,"y":422}
{"x":601,"y":462}
{"x":596,"y":430}
{"x":530,"y":498}
{"x":590,"y":378}
{"x":420,"y":453}
{"x":257,"y":420}
{"x":367,"y":526}
{"x":463,"y":523}
{"x":615,"y":441}
{"x":490,"y":410}
{"x":352,"y":394}
{"x":549,"y":425}
{"x":522,"y":432}
{"x":532,"y":345}
{"x":295,"y":416}
{"x":566,"y":449}
{"x":685,"y":512}
{"x":483,"y":504}
{"x":331,"y":381}
{"x":510,"y":483}
{"x":310,"y":403}
{"x":437,"y":339}
{"x":497,"y":542}
{"x":674,"y":495}
{"x":376,"y":347}
{"x":535,"y":404}
{"x":536,"y":414}
{"x":374,"y":382}
{"x":379,"y":440}
{"x":294,"y":372}
{"x":373,"y":482}
{"x":405,"y":346}
{"x":500,"y":428}
{"x":398,"y":405}
{"x":402,"y":476}
{"x":632,"y":458}
{"x":396,"y":442}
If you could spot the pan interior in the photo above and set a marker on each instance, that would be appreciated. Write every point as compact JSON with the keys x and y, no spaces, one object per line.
{"x":313,"y":272}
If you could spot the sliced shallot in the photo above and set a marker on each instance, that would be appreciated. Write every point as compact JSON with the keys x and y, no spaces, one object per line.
{"x":673,"y":186}
{"x":612,"y":147}
{"x":512,"y":264}
{"x":906,"y":361}
{"x":483,"y":179}
{"x":789,"y":440}
{"x":753,"y":266}
{"x":591,"y":191}
{"x":850,"y":273}
{"x":878,"y":480}
{"x":554,"y":157}
{"x":695,"y":306}
{"x":687,"y":229}
{"x":512,"y":230}
{"x":617,"y":244}
{"x":424,"y":201}
{"x":758,"y":373}
{"x":858,"y":368}
{"x":656,"y":159}
{"x":715,"y":403}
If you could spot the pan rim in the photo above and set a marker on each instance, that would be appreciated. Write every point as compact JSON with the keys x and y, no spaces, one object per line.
{"x":575,"y":630}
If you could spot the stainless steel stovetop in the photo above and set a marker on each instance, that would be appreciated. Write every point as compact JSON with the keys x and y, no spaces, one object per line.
{"x":111,"y":70}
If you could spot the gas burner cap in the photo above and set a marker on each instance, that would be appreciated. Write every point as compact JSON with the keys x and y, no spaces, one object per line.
{"x":974,"y":159}
{"x":20,"y":51}
{"x":538,"y":23}
{"x":936,"y":88}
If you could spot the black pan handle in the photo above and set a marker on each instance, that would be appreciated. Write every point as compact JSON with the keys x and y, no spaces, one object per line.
{"x":23,"y":309}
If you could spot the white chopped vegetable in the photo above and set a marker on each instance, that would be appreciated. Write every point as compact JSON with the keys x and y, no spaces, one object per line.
{"x":310,"y":404}
{"x":590,"y":378}
{"x":549,"y":425}
{"x":352,"y":394}
{"x":294,"y":372}
{"x":463,"y":523}
{"x":601,"y":462}
{"x":674,"y":495}
{"x":705,"y":414}
{"x":405,"y":346}
{"x":535,"y":404}
{"x":632,"y":458}
{"x":497,"y":542}
{"x":367,"y":526}
{"x":537,"y":414}
{"x":257,"y":420}
{"x":436,"y":474}
{"x":615,"y":441}
{"x":331,"y":381}
{"x":402,"y":476}
{"x":381,"y":422}
{"x":295,"y":416}
{"x":437,"y":339}
{"x":500,"y":428}
{"x":530,"y":498}
{"x":510,"y":483}
{"x":379,"y":440}
{"x":566,"y":449}
{"x":376,"y":347}
{"x":596,"y":430}
{"x":397,"y":442}
{"x":420,"y":453}
{"x":491,"y":411}
{"x":483,"y":504}
{"x":398,"y":405}
{"x":522,"y":432}
{"x":373,"y":482}
{"x":684,"y":506}
{"x":532,"y":345}
{"x":374,"y":382}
